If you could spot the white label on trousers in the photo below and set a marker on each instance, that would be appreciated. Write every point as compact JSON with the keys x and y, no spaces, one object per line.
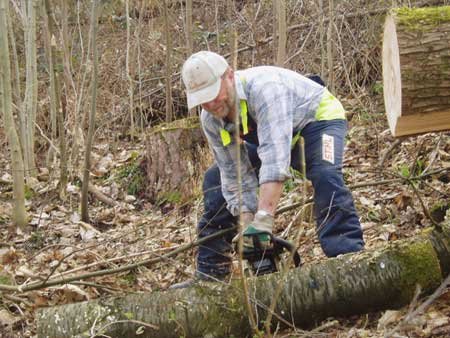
{"x":328,"y":148}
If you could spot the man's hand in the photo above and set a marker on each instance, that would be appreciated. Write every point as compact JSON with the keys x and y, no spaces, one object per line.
{"x":261,"y":227}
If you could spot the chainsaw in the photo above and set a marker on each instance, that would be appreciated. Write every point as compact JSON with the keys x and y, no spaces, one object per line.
{"x":264,"y":259}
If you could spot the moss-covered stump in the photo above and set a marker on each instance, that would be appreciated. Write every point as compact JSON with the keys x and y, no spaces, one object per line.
{"x":177,"y":157}
{"x":416,"y":69}
{"x":351,"y":284}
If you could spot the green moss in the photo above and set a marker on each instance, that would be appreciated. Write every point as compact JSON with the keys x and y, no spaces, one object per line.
{"x":187,"y":123}
{"x":28,"y":192}
{"x":132,"y":176}
{"x":5,"y":280}
{"x":129,"y":279}
{"x":36,"y":240}
{"x":170,"y":197}
{"x":422,"y":19}
{"x":415,"y":258}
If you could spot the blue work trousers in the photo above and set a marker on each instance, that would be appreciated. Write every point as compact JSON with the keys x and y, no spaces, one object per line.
{"x":337,"y":221}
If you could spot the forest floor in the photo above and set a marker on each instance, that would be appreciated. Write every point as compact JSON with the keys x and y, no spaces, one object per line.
{"x":60,"y":244}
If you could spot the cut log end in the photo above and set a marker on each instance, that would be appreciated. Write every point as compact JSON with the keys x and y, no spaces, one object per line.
{"x":391,"y":74}
{"x":416,"y":70}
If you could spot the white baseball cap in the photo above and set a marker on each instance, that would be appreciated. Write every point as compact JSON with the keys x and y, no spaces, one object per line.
{"x":201,"y":75}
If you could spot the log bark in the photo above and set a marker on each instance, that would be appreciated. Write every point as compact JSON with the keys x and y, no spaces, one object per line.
{"x":351,"y":284}
{"x":177,"y":157}
{"x":416,"y":70}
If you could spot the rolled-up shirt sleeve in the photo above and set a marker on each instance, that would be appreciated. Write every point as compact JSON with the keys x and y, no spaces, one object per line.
{"x":273,"y":110}
{"x":226,"y":158}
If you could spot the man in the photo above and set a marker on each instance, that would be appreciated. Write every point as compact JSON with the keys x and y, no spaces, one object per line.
{"x":275,"y":106}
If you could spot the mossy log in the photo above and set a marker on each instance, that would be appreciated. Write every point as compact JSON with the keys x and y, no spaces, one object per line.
{"x":416,"y":70}
{"x":351,"y":284}
{"x":177,"y":157}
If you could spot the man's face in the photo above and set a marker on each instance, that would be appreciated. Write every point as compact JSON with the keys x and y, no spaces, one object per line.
{"x":224,"y":104}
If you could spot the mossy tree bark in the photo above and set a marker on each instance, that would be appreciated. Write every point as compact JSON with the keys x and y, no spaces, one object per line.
{"x":416,"y":70}
{"x":177,"y":158}
{"x":351,"y":284}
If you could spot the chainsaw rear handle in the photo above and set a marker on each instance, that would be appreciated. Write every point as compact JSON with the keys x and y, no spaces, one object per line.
{"x":283,"y":244}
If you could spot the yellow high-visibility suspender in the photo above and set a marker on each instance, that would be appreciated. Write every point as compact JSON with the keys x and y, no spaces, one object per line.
{"x":225,"y":134}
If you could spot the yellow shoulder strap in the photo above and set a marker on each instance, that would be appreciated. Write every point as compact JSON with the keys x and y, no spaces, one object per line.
{"x":225,"y":136}
{"x":244,"y":117}
{"x":244,"y":110}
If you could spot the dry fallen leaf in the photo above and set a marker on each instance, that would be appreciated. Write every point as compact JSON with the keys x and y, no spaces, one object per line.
{"x":388,"y":318}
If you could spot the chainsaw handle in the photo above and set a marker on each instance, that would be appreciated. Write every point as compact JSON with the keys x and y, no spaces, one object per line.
{"x":283,"y":244}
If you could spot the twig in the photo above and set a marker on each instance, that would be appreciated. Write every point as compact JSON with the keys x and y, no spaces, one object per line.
{"x":285,"y":267}
{"x":422,"y":307}
{"x":98,"y":194}
{"x":99,"y":286}
{"x":413,"y":168}
{"x":16,"y":299}
{"x":251,"y":314}
{"x":114,"y":259}
{"x":112,"y":240}
{"x":63,"y":280}
{"x":436,"y":190}
{"x":46,"y":138}
{"x":422,"y":203}
{"x":271,"y":38}
{"x":383,"y":157}
{"x":433,"y":154}
{"x":52,"y":271}
{"x":367,"y":184}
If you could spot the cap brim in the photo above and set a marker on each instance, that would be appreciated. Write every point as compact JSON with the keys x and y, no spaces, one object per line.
{"x":203,"y":95}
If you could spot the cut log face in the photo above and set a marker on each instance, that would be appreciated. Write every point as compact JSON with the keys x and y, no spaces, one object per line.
{"x":177,"y":157}
{"x":416,"y":70}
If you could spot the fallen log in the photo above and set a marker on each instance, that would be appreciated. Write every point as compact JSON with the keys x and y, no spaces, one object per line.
{"x":351,"y":284}
{"x":416,"y":70}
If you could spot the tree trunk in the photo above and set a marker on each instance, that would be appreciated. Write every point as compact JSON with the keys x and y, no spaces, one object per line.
{"x":177,"y":157}
{"x":127,"y":65}
{"x":351,"y":284}
{"x":19,"y":214}
{"x":87,"y":155}
{"x":233,"y":34}
{"x":31,"y":90}
{"x":280,"y":15}
{"x":416,"y":70}
{"x":51,"y":60}
{"x":17,"y":93}
{"x":330,"y":48}
{"x":169,"y":110}
{"x":321,"y":38}
{"x":189,"y":40}
{"x":189,"y":28}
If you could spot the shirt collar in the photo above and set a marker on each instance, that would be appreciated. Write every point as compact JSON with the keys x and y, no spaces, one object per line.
{"x":238,"y":80}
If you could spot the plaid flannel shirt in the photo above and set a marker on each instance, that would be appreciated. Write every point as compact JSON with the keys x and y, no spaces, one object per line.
{"x":281,"y":102}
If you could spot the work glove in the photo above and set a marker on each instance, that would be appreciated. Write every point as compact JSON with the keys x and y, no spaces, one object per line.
{"x":260,"y":229}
